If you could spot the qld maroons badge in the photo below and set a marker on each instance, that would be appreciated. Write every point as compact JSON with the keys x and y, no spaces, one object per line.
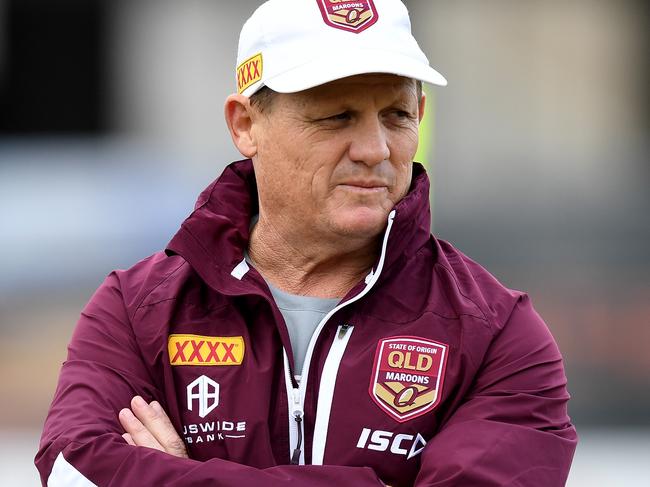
{"x":407,"y":376}
{"x":353,"y":16}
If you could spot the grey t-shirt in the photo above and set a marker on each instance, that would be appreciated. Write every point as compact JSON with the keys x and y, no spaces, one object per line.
{"x":302,"y":315}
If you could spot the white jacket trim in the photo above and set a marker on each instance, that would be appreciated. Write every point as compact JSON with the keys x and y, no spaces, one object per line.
{"x":326,"y":392}
{"x":63,"y":474}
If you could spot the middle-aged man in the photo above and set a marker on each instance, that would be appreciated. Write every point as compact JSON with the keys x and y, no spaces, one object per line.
{"x":304,"y":325}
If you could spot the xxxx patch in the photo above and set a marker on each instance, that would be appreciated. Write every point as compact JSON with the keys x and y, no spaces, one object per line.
{"x":205,"y":350}
{"x":353,"y":16}
{"x":249,"y":72}
{"x":408,"y":375}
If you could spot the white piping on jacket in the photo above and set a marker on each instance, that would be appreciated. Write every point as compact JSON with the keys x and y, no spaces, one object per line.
{"x":63,"y":474}
{"x":240,"y":270}
{"x":326,"y":393}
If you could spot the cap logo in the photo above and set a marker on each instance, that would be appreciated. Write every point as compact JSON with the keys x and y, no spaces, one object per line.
{"x":352,"y":16}
{"x":407,"y":376}
{"x":249,"y":72}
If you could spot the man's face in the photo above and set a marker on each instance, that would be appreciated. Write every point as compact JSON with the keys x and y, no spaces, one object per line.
{"x":336,"y":158}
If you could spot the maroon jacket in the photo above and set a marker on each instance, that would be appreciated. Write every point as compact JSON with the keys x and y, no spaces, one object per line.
{"x":429,"y":372}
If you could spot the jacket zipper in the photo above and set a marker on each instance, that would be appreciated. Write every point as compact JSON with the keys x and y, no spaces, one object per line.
{"x":329,"y":374}
{"x":296,"y":396}
{"x":297,"y":413}
{"x":326,"y":391}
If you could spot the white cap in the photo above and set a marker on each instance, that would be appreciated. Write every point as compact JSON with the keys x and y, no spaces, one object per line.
{"x":292,"y":45}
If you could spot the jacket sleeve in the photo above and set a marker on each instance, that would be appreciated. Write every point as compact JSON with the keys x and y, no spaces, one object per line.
{"x":512,"y":429}
{"x":81,"y":444}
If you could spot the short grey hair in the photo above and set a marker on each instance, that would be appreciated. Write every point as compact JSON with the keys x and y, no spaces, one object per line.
{"x":262,"y":99}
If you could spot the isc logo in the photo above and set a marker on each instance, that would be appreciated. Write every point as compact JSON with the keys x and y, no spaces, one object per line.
{"x":399,"y":444}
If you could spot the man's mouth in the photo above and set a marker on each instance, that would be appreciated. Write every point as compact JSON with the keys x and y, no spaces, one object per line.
{"x":367,"y":186}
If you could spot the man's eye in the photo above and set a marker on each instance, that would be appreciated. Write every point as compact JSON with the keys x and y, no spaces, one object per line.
{"x":400,"y":117}
{"x":340,"y":116}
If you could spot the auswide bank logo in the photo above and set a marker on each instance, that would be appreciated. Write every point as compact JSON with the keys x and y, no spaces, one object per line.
{"x":408,"y":375}
{"x":205,"y":393}
{"x":352,"y":16}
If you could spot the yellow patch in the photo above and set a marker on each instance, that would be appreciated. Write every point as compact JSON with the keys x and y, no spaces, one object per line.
{"x":204,"y":350}
{"x":249,"y":72}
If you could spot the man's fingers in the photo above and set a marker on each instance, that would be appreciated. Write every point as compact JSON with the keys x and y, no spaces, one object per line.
{"x":139,"y":434}
{"x":148,"y":425}
{"x":156,"y":421}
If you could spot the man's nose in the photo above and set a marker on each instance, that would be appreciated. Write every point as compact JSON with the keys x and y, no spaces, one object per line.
{"x":369,"y":143}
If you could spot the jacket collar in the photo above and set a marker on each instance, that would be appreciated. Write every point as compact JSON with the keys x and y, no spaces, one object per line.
{"x":215,"y":235}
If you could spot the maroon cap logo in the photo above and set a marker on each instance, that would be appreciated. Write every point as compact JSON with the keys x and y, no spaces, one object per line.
{"x":353,"y":16}
{"x":407,"y":376}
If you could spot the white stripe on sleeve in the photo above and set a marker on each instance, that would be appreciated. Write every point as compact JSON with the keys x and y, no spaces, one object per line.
{"x":64,"y":474}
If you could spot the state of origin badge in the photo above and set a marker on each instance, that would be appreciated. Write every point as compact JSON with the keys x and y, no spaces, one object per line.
{"x":408,"y":375}
{"x":352,"y":16}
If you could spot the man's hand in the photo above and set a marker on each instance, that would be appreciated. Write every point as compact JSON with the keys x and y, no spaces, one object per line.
{"x":148,"y":425}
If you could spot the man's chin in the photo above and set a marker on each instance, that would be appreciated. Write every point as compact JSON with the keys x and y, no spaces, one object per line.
{"x":363,"y":223}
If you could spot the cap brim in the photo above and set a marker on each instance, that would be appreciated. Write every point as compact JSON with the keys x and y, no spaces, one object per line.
{"x":326,"y":68}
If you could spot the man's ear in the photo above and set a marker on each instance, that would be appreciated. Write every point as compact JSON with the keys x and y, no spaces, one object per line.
{"x":238,"y":113}
{"x":423,"y":102}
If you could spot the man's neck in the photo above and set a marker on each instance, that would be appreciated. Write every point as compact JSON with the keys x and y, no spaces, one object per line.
{"x":309,"y":266}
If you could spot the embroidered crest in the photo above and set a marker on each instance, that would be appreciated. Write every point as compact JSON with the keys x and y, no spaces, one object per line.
{"x":353,"y":16}
{"x":407,"y":376}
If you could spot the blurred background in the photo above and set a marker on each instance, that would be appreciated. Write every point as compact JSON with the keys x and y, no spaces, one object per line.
{"x":111,"y":124}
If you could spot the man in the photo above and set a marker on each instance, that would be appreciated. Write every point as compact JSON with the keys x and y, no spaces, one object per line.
{"x":304,"y":325}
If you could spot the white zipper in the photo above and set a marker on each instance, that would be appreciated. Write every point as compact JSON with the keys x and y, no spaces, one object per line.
{"x":326,"y":391}
{"x":297,"y":456}
{"x":296,"y":413}
{"x":325,"y":396}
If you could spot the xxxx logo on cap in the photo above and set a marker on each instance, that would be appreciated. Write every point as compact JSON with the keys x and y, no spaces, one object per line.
{"x":407,"y":376}
{"x":353,"y":16}
{"x":249,"y":72}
